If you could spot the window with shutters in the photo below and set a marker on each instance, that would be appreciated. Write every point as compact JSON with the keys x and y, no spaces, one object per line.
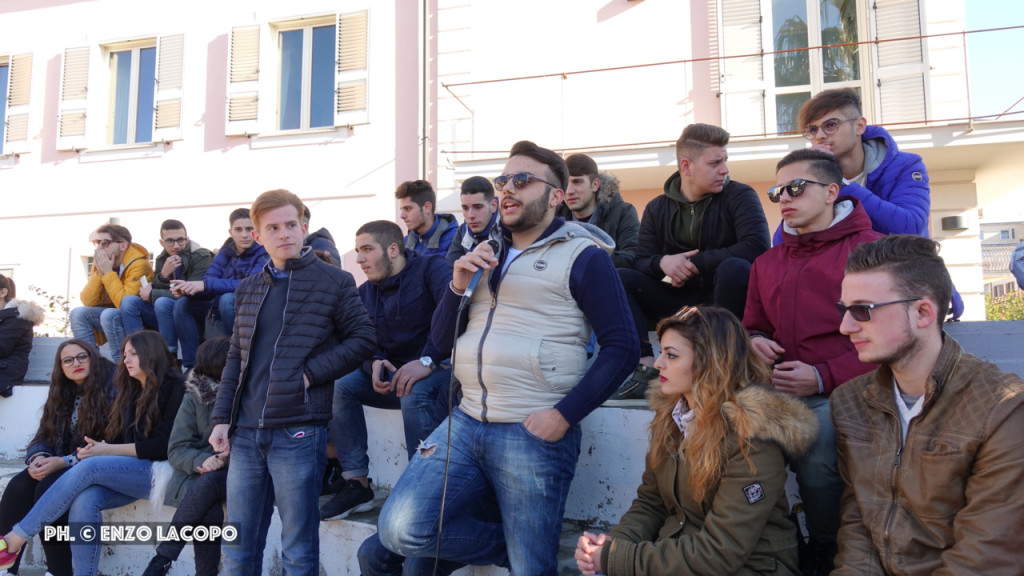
{"x":121,"y":94}
{"x":763,"y":94}
{"x":15,"y":82}
{"x":318,"y":75}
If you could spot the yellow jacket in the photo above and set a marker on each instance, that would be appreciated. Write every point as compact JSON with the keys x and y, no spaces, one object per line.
{"x":108,"y":290}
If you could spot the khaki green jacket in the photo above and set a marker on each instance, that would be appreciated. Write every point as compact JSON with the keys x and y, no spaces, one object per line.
{"x":741,"y":526}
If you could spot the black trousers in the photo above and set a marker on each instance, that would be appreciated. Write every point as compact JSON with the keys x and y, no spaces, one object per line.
{"x":650,"y":299}
{"x":20,"y":495}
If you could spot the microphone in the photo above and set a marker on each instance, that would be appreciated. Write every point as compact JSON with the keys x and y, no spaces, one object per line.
{"x":475,"y":279}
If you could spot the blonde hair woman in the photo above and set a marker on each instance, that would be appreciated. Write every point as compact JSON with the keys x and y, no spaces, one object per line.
{"x":712,"y":499}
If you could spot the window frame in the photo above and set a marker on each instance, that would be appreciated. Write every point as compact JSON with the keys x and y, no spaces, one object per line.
{"x":135,"y":47}
{"x":306,"y":76}
{"x":817,"y":75}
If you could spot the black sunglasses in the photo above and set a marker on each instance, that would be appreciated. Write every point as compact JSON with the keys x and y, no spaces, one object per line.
{"x":829,"y":127}
{"x":795,"y":188}
{"x":519,"y":180}
{"x":862,"y":312}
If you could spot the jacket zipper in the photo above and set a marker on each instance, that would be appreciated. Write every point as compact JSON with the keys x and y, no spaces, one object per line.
{"x":277,"y":340}
{"x":480,"y":350}
{"x":897,"y":462}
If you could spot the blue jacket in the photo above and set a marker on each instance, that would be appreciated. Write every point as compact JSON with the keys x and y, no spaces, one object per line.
{"x":322,"y":240}
{"x":436,"y":240}
{"x":325,"y":335}
{"x":896,"y":194}
{"x":229,"y":268}
{"x":401,"y":308}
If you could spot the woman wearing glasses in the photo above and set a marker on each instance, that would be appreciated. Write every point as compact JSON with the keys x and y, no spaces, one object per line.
{"x":81,"y":392}
{"x":17,"y":317}
{"x":712,"y":498}
{"x":113,"y":473}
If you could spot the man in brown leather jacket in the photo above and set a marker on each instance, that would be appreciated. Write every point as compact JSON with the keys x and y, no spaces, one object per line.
{"x":929,"y":443}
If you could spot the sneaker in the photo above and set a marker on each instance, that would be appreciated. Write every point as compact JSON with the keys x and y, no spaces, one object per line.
{"x":158,"y":566}
{"x":7,"y":559}
{"x":636,"y":385}
{"x":353,"y":497}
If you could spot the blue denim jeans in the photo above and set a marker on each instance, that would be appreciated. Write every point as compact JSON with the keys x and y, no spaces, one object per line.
{"x":85,"y":319}
{"x":137,"y":314}
{"x":376,"y":560}
{"x":348,"y":424}
{"x":85,"y":491}
{"x":528,"y":477}
{"x":190,"y":317}
{"x":283,"y":465}
{"x":817,"y":475}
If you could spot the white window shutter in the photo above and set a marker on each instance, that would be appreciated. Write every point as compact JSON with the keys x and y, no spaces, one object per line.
{"x":900,"y":65}
{"x":243,"y":81}
{"x":351,"y":75}
{"x":18,"y":98}
{"x":742,"y":82}
{"x":167,"y":115}
{"x":73,"y":90}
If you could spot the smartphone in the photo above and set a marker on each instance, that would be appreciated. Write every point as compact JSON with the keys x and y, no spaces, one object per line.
{"x":382,"y":374}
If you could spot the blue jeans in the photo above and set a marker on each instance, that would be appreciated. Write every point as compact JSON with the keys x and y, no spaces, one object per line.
{"x":85,"y":491}
{"x":376,"y":560}
{"x":348,"y":424}
{"x":529,"y":479}
{"x":817,"y":475}
{"x":137,"y":314}
{"x":190,"y":317}
{"x":86,"y":319}
{"x":283,"y":465}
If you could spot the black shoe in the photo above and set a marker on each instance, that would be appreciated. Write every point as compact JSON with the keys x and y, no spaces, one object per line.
{"x":353,"y":497}
{"x":158,"y":566}
{"x":636,"y":385}
{"x":332,"y":481}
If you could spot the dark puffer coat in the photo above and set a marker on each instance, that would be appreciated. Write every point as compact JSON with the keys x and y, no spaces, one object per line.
{"x":326,"y":334}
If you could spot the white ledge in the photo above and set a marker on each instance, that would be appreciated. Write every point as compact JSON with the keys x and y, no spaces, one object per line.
{"x":317,"y":137}
{"x":127,"y":152}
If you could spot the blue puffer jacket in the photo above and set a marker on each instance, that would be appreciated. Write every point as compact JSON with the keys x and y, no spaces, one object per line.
{"x":402,"y":306}
{"x":229,"y":268}
{"x":326,"y":334}
{"x":895,"y":195}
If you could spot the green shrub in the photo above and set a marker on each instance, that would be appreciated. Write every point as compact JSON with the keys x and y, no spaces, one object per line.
{"x":1006,"y":307}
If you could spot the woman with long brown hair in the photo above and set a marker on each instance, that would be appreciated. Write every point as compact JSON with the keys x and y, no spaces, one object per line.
{"x":81,"y":391}
{"x":713,"y":499}
{"x":113,"y":473}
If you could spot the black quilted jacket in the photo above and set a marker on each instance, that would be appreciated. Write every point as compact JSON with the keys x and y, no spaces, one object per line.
{"x":326,"y":334}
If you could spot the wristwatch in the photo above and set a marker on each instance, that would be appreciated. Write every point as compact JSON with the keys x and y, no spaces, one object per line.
{"x":428,"y":362}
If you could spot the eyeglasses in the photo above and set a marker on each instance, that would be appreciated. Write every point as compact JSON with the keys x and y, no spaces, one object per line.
{"x":794,"y":188}
{"x":862,"y":312}
{"x":175,"y":241}
{"x":829,"y":127}
{"x":104,"y":243}
{"x":519,"y":180}
{"x":81,"y":358}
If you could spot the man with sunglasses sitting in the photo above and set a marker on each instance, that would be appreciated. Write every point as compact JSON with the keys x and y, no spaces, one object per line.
{"x":790,"y":315}
{"x":526,"y":383}
{"x":118,"y":270}
{"x":929,"y":443}
{"x":890,"y":184}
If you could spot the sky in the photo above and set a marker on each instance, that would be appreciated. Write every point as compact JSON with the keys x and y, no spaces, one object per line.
{"x":993,"y":67}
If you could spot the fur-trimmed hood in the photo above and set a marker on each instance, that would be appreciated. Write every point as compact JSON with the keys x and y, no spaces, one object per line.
{"x":29,"y":311}
{"x":608,"y":192}
{"x":204,"y":387}
{"x":776,"y":417}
